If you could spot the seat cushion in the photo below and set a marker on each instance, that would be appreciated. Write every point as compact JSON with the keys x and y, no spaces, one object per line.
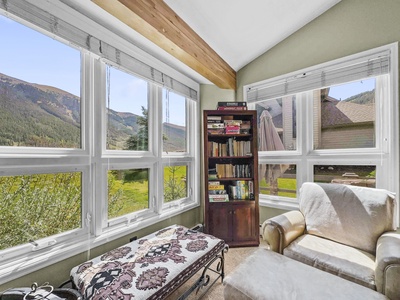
{"x":341,"y":260}
{"x":351,"y":215}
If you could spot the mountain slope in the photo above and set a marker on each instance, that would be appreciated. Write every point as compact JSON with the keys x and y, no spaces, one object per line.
{"x":35,"y":115}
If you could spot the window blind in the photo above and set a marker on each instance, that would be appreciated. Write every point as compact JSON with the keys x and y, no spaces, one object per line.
{"x":79,"y":37}
{"x":333,"y":74}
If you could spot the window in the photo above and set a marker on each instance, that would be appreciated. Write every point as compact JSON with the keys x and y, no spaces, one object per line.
{"x":37,"y":206}
{"x":334,"y":123}
{"x":127,"y":111}
{"x":128,"y":191}
{"x":175,"y":183}
{"x":89,"y":151}
{"x":344,"y":116}
{"x":40,"y":94}
{"x":174,"y":122}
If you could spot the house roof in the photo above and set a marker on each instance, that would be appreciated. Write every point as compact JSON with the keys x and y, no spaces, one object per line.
{"x":338,"y":113}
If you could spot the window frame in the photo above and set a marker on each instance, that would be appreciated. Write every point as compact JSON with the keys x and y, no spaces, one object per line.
{"x":94,"y":160}
{"x":384,"y":155}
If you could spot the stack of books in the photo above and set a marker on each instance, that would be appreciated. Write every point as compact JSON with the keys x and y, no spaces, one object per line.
{"x":232,"y":105}
{"x":217,"y":192}
{"x":215,"y":125}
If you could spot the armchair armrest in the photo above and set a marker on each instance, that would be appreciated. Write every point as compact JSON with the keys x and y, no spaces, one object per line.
{"x":387,"y":271}
{"x":281,"y":230}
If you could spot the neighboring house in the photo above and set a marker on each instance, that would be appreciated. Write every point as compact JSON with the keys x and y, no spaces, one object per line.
{"x":346,"y":124}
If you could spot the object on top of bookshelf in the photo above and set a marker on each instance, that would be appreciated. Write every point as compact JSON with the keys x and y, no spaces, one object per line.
{"x":232,"y":105}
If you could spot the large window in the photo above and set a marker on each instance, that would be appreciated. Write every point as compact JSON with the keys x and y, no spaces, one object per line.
{"x":39,"y":93}
{"x":127,"y":111}
{"x":94,"y":143}
{"x":333,"y":123}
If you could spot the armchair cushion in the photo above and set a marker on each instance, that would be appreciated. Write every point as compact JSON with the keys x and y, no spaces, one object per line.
{"x":351,"y":215}
{"x":341,"y":260}
{"x":281,"y":230}
{"x":388,"y":265}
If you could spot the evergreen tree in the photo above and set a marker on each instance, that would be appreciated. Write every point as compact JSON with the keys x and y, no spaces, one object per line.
{"x":139,"y":141}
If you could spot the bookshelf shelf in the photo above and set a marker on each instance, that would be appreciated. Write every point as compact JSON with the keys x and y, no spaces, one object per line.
{"x":231,"y":176}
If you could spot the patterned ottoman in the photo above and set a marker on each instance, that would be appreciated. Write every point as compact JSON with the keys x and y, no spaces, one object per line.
{"x":151,"y":267}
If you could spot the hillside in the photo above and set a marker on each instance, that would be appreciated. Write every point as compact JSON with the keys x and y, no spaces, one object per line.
{"x":35,"y":115}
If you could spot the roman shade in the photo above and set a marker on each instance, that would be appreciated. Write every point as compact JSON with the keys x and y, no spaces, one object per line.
{"x":321,"y":76}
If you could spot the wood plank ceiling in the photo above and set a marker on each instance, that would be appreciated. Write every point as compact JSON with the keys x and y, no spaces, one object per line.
{"x":156,"y":21}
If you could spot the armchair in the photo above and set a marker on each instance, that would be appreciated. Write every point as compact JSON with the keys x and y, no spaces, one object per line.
{"x":345,"y":230}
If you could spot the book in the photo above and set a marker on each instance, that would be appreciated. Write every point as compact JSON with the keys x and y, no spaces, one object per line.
{"x":216,"y":118}
{"x":232,"y":108}
{"x":232,"y":103}
{"x":218,"y":198}
{"x":215,"y":125}
{"x":216,"y":187}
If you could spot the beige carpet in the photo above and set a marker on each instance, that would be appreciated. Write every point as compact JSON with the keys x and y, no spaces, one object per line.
{"x":233,"y":258}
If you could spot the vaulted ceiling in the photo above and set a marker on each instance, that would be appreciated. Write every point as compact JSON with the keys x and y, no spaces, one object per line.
{"x":214,"y":39}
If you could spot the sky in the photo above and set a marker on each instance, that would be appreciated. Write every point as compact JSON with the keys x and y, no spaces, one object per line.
{"x":344,"y":91}
{"x":36,"y":58}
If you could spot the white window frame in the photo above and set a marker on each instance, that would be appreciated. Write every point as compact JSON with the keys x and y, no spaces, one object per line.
{"x":93,"y":160}
{"x":385,"y":155}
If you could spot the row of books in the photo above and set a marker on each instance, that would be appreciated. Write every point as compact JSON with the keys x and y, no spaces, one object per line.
{"x":238,"y":190}
{"x":242,"y":190}
{"x":217,"y":192}
{"x":232,"y":105}
{"x":231,"y":147}
{"x":218,"y":125}
{"x":233,"y":171}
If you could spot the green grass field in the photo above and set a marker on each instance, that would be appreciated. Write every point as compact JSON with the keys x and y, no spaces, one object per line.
{"x":130,"y":195}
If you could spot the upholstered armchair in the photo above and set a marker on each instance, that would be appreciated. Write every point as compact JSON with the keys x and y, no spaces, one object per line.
{"x":346,"y":230}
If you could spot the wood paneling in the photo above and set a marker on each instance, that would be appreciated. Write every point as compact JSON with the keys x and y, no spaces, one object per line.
{"x":156,"y":21}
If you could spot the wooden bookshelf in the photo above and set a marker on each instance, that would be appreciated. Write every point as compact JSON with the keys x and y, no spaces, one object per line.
{"x":231,"y":176}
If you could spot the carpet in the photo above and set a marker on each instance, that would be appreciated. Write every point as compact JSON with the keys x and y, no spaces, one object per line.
{"x":232,"y":259}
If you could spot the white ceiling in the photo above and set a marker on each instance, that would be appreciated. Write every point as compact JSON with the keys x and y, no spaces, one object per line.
{"x":240,"y":31}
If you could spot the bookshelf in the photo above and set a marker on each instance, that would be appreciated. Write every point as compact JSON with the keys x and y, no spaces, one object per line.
{"x":231,"y":176}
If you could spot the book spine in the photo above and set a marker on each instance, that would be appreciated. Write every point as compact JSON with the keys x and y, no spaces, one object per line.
{"x":232,"y":103}
{"x":232,"y":108}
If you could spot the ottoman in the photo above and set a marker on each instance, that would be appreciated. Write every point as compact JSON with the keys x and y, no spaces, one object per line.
{"x":269,"y":275}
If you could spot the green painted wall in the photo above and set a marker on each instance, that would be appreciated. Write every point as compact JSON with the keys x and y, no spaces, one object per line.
{"x":351,"y":26}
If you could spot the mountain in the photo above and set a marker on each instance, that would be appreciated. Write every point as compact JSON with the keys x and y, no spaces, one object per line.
{"x":37,"y":115}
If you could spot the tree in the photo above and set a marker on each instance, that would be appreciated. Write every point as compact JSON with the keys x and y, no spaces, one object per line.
{"x":174,"y":185}
{"x":140,"y":140}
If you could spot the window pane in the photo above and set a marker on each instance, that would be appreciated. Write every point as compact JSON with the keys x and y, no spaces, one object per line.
{"x":278,"y":180}
{"x":277,"y":124}
{"x":128,"y":191}
{"x":175,"y":183}
{"x":127,"y":111}
{"x":344,"y":116}
{"x":174,"y":122}
{"x":39,"y":89}
{"x":354,"y":175}
{"x":37,"y":206}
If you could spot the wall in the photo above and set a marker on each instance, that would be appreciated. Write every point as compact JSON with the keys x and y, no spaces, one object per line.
{"x":59,"y":272}
{"x":349,"y":27}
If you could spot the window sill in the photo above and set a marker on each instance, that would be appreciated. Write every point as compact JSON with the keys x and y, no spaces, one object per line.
{"x":279,"y":203}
